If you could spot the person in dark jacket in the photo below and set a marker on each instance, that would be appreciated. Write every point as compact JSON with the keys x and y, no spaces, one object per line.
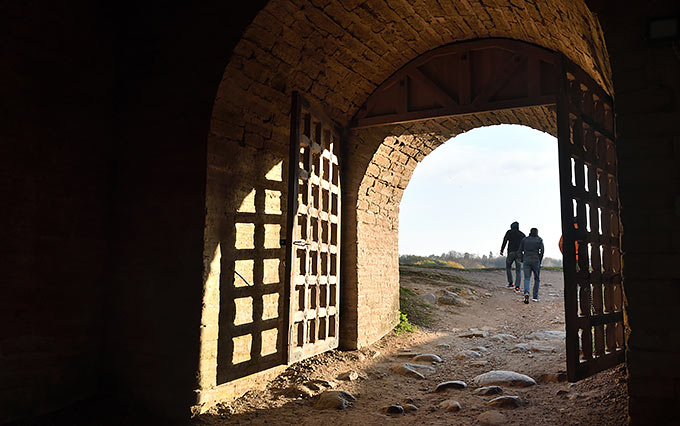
{"x":513,"y":237}
{"x":531,"y":251}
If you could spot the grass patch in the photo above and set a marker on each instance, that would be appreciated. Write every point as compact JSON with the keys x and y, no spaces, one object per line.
{"x":414,"y":310}
{"x":404,"y":325}
{"x":434,"y":275}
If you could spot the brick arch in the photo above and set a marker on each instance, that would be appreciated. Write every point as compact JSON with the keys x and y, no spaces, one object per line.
{"x":338,"y":54}
{"x":384,"y":159}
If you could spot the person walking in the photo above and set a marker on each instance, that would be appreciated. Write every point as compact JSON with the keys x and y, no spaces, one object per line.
{"x":531,"y":251}
{"x":513,"y":237}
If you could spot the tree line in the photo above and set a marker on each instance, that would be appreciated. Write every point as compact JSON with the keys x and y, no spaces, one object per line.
{"x":465,"y":260}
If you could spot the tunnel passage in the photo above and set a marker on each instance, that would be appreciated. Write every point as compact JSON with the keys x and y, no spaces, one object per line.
{"x":336,"y":55}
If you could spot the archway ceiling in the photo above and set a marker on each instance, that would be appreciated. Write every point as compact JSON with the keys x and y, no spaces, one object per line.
{"x":340,"y":52}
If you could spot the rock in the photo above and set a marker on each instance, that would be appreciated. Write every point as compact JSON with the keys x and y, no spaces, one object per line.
{"x":504,"y":377}
{"x":468,"y":354}
{"x":489,"y":390}
{"x":450,"y":405}
{"x":334,"y":399}
{"x":552,"y":377}
{"x":299,"y":391}
{"x":394,"y":409}
{"x":474,"y":333}
{"x":428,"y":357}
{"x":411,"y":369}
{"x":480,"y":349}
{"x":547,"y":335}
{"x":492,"y":417}
{"x":419,"y":366}
{"x":349,"y":376}
{"x":488,"y":294}
{"x":506,"y":401}
{"x":408,"y":408}
{"x":449,"y":298}
{"x":502,"y":338}
{"x":562,"y":392}
{"x":531,"y":347}
{"x":479,"y":363}
{"x":452,"y":384}
{"x":444,"y":346}
{"x":429,"y":298}
{"x":405,"y":354}
{"x":318,"y":384}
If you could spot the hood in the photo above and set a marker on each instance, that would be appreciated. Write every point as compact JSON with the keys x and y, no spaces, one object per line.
{"x":514,"y":225}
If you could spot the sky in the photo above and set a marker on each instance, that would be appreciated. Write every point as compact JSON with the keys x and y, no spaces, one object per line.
{"x":466,"y":193}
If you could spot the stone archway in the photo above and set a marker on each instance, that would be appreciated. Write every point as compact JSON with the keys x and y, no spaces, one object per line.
{"x":337,"y":55}
{"x":437,"y":87}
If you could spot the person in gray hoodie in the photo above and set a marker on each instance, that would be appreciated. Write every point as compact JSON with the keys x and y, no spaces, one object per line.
{"x":531,"y":251}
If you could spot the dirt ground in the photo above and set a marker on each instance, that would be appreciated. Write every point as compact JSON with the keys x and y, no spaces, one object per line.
{"x":487,"y":305}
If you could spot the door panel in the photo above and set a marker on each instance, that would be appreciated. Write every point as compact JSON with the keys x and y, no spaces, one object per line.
{"x":590,"y":225}
{"x":313,"y":258}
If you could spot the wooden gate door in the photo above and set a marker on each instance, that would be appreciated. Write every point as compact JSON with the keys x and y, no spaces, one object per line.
{"x":590,"y":225}
{"x":313,"y":257}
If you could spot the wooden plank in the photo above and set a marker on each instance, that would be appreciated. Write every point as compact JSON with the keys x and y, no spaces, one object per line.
{"x":412,"y":116}
{"x":569,"y":263}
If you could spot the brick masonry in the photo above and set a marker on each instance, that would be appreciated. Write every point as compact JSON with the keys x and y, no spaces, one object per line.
{"x":647,"y":87}
{"x":337,"y":53}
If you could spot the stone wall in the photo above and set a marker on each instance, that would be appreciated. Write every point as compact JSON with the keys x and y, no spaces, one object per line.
{"x":647,"y":87}
{"x":53,"y":178}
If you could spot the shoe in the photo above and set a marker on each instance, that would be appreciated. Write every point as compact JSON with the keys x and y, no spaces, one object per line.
{"x":526,"y":299}
{"x":517,"y":290}
{"x":535,"y":299}
{"x":510,"y":285}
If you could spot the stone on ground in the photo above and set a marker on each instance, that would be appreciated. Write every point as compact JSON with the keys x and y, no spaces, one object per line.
{"x":319,"y":384}
{"x":480,"y":349}
{"x":489,"y":390}
{"x":451,"y":384}
{"x":450,"y":298}
{"x":474,"y":333}
{"x":444,"y":346}
{"x":408,"y":408}
{"x":428,"y":357}
{"x":531,"y":347}
{"x":502,"y":338}
{"x":394,"y":409}
{"x":334,"y":399}
{"x":348,"y":375}
{"x":504,"y":377}
{"x":547,"y":335}
{"x":429,"y":298}
{"x":552,"y":377}
{"x":299,"y":391}
{"x":468,"y":354}
{"x":505,"y":401}
{"x":411,"y":369}
{"x":492,"y":418}
{"x":450,"y":405}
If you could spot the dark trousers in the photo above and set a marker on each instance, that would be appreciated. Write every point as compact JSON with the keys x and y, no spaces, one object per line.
{"x":513,"y":257}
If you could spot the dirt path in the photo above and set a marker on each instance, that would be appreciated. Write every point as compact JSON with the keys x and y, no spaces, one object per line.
{"x":487,"y":306}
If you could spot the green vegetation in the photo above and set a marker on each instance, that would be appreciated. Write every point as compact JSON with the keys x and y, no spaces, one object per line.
{"x":434,"y":274}
{"x":454,"y":259}
{"x":414,"y":308}
{"x":404,"y":325}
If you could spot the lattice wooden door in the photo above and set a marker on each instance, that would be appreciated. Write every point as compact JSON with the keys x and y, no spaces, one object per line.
{"x":313,"y":262}
{"x":590,"y":225}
